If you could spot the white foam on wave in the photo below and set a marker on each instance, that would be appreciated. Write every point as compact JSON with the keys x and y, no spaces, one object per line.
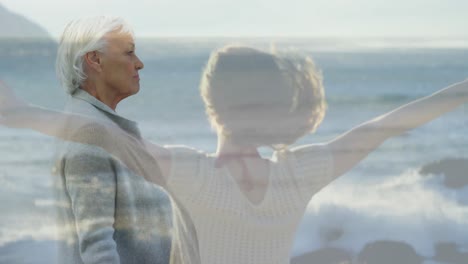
{"x":409,"y":208}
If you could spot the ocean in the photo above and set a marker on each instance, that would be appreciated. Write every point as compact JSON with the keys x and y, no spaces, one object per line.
{"x":383,"y":199}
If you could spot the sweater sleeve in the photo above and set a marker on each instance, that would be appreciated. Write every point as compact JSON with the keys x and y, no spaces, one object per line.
{"x":186,"y":174}
{"x":89,"y":173}
{"x":312,"y":166}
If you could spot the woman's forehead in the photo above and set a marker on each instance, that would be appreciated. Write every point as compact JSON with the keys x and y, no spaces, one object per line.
{"x":119,"y":39}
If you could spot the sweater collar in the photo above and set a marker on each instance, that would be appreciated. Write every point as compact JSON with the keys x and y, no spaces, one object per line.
{"x":126,"y":124}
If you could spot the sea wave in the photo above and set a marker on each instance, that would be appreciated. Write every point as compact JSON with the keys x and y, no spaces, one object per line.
{"x":414,"y":208}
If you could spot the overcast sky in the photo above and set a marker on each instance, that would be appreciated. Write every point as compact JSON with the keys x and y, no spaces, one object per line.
{"x":312,"y":18}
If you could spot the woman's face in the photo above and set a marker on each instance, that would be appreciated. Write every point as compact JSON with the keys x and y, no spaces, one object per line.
{"x":120,"y":65}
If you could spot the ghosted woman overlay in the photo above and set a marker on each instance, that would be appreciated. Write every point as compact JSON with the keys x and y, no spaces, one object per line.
{"x":246,"y":208}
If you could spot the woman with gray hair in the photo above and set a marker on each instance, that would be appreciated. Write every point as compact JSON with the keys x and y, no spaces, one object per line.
{"x":246,"y":208}
{"x":80,"y":39}
{"x":130,"y":221}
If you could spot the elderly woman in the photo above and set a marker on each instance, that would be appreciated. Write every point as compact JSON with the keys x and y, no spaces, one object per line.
{"x":128,"y":222}
{"x":246,"y":208}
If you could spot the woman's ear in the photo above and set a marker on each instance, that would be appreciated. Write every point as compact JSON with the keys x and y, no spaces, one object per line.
{"x":93,"y":60}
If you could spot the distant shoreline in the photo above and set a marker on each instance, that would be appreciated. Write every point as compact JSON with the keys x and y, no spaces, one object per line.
{"x":299,"y":43}
{"x":321,"y":43}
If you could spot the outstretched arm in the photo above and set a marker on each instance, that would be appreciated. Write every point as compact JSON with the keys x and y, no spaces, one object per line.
{"x":146,"y":159}
{"x":354,"y":145}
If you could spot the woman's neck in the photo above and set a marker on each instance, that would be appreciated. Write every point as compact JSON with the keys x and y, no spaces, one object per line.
{"x":226,"y":147}
{"x":102,"y":93}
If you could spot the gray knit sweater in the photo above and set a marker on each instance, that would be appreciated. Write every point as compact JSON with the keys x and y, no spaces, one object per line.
{"x":108,"y":214}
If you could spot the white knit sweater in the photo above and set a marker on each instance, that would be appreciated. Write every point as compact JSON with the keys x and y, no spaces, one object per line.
{"x":229,"y":227}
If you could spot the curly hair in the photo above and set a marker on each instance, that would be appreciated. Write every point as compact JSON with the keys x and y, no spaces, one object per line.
{"x":262,"y":98}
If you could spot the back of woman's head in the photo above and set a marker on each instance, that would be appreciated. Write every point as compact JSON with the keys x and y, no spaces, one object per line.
{"x":80,"y":37}
{"x":260,"y":98}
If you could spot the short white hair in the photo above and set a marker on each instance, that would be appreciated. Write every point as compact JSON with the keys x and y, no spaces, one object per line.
{"x":80,"y":37}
